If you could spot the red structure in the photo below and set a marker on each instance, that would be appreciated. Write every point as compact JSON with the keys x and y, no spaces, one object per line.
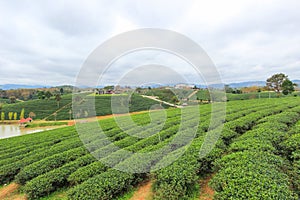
{"x":23,"y":121}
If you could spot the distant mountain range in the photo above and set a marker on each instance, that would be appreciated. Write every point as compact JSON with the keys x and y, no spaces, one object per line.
{"x":254,"y":83}
{"x":18,"y":86}
{"x":233,"y":85}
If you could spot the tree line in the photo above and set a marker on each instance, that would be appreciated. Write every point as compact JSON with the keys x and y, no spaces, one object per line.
{"x":279,"y":83}
{"x":12,"y":96}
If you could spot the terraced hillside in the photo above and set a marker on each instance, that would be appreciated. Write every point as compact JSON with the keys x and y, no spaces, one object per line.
{"x":44,"y":109}
{"x":255,"y":157}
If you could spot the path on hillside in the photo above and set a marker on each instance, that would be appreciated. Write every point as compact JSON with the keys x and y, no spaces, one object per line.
{"x":62,"y":108}
{"x":206,"y":193}
{"x":57,"y":111}
{"x":161,"y":101}
{"x":144,"y":192}
{"x":192,"y":94}
{"x":10,"y":192}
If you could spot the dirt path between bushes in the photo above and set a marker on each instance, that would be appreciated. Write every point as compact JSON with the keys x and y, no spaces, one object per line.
{"x":206,"y":193}
{"x":10,"y":192}
{"x":144,"y":192}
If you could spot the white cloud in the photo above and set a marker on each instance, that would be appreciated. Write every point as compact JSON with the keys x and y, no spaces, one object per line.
{"x":49,"y":41}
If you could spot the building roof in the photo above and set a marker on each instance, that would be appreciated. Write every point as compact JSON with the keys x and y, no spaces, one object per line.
{"x":25,"y":120}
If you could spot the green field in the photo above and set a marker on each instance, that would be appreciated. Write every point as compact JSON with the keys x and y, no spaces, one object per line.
{"x":257,"y":156}
{"x":45,"y":108}
{"x":204,"y":95}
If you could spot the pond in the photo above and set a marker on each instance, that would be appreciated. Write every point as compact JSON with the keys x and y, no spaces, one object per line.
{"x":13,"y":130}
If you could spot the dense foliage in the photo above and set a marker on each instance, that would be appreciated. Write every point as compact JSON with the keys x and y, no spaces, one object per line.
{"x":256,"y":156}
{"x":45,"y":109}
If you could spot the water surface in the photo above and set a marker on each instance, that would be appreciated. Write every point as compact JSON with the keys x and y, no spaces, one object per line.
{"x":13,"y":130}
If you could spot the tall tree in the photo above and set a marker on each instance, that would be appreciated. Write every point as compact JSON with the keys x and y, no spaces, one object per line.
{"x":61,"y":91}
{"x":55,"y":115}
{"x":41,"y":94}
{"x":275,"y":82}
{"x":109,"y":87}
{"x":58,"y":98}
{"x":12,"y":99}
{"x":48,"y":94}
{"x":22,"y":115}
{"x":228,"y":89}
{"x":288,"y":87}
{"x":32,"y":115}
{"x":15,"y":116}
{"x":10,"y":115}
{"x":70,"y":114}
{"x":2,"y":116}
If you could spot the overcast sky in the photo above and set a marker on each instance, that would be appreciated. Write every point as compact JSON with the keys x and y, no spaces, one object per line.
{"x":46,"y":42}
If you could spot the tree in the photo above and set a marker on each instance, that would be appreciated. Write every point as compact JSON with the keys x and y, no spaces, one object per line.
{"x":58,"y":98}
{"x":78,"y":99}
{"x":288,"y":87}
{"x":32,"y":115}
{"x":61,"y":91}
{"x":48,"y":94}
{"x":275,"y":82}
{"x":41,"y":94}
{"x":22,"y":114}
{"x":55,"y":114}
{"x":2,"y":116}
{"x":15,"y":116}
{"x":109,"y":87}
{"x":12,"y":99}
{"x":139,"y":89}
{"x":228,"y":89}
{"x":10,"y":115}
{"x":259,"y":92}
{"x":86,"y":114}
{"x":70,"y":114}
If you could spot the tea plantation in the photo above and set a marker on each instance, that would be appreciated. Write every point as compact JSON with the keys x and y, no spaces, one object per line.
{"x":256,"y":156}
{"x":44,"y":108}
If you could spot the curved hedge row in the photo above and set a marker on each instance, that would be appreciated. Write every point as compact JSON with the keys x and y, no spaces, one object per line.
{"x":8,"y":172}
{"x":169,"y":185}
{"x":46,"y":183}
{"x":253,"y":170}
{"x":251,"y":175}
{"x":48,"y":164}
{"x":104,"y":186}
{"x":291,"y":149}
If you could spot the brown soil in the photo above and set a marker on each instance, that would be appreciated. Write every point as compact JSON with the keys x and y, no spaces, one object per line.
{"x":207,"y":193}
{"x":9,"y":192}
{"x":16,"y":197}
{"x":143,"y":193}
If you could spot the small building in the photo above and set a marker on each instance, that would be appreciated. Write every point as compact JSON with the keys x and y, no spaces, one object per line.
{"x":109,"y":92}
{"x":23,"y":121}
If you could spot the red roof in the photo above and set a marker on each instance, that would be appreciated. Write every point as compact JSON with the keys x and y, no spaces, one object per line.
{"x":25,"y":120}
{"x":22,"y":120}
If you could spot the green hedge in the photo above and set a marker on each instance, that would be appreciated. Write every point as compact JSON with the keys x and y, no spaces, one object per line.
{"x":48,"y":164}
{"x":46,"y":183}
{"x":251,"y":175}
